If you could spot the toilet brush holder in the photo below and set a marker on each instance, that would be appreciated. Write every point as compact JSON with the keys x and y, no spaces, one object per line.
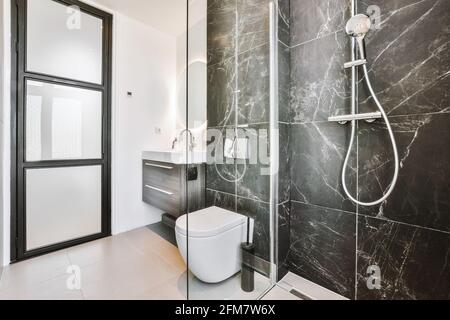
{"x":248,"y":272}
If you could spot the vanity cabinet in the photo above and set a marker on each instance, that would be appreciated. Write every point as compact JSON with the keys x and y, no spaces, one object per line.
{"x":164,"y":187}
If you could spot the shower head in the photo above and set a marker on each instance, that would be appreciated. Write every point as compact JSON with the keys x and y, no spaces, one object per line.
{"x":358,"y":26}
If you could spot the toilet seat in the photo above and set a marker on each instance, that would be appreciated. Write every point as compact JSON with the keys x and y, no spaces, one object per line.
{"x":209,"y":222}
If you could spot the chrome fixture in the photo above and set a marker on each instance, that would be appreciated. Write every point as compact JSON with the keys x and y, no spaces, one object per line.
{"x":358,"y":26}
{"x":369,"y":117}
{"x":179,"y":138}
{"x":355,"y":63}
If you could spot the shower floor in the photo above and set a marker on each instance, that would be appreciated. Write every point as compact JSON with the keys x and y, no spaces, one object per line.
{"x":305,"y":289}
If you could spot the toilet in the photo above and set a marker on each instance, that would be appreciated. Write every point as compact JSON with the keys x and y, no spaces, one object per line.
{"x":214,"y":238}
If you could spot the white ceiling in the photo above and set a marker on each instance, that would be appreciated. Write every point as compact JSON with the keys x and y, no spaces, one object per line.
{"x":168,"y":16}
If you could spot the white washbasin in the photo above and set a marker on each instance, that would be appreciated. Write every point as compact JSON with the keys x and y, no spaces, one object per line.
{"x":175,"y":156}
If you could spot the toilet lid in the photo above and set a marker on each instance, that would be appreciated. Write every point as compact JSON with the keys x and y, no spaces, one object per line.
{"x":209,"y":222}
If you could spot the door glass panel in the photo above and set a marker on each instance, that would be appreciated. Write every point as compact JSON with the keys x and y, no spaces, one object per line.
{"x":63,"y":42}
{"x":62,"y":204}
{"x":62,"y":122}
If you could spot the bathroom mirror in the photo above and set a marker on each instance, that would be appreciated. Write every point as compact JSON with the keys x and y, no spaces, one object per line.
{"x":197,"y":96}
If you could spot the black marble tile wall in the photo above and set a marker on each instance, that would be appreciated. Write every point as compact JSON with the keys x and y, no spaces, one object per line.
{"x":413,"y":261}
{"x":284,"y":83}
{"x":322,"y":235}
{"x":253,"y":175}
{"x":260,"y":213}
{"x":284,"y":173}
{"x":239,"y":96}
{"x":314,"y":19}
{"x":254,"y":85}
{"x":318,"y":150}
{"x":320,"y":87}
{"x":422,"y":195}
{"x":222,"y":24}
{"x":216,"y":198}
{"x":284,"y":127}
{"x":221,"y":107}
{"x":284,"y":22}
{"x":408,"y":236}
{"x":284,"y":240}
{"x":322,"y":247}
{"x":409,"y":58}
{"x":253,"y":24}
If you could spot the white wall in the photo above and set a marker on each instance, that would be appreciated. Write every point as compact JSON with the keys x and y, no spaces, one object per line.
{"x":5,"y":129}
{"x":144,"y":64}
{"x":1,"y":134}
{"x":145,"y":61}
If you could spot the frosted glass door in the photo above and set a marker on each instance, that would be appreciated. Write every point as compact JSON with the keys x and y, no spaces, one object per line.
{"x":62,"y":122}
{"x":63,"y":41}
{"x":62,"y":204}
{"x":62,"y":170}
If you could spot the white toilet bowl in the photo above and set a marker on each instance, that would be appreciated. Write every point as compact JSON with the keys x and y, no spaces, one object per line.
{"x":215,"y":236}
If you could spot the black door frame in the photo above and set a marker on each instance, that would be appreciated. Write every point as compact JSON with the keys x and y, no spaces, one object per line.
{"x":19,"y":75}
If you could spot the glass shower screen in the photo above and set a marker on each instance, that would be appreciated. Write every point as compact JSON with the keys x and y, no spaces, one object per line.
{"x":231,"y":143}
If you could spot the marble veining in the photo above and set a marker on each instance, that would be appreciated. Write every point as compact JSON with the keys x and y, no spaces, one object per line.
{"x":221,"y":28}
{"x":322,"y":247}
{"x":254,"y":96}
{"x":408,"y":235}
{"x":216,"y":198}
{"x":284,"y":83}
{"x":253,"y":24}
{"x":284,"y":168}
{"x":319,"y":237}
{"x":284,"y":238}
{"x":260,"y":212}
{"x":313,"y":19}
{"x":320,"y":87}
{"x":414,"y":262}
{"x":317,"y":156}
{"x":253,"y":174}
{"x":221,"y":108}
{"x":284,"y":22}
{"x":422,"y":194}
{"x":410,"y":81}
{"x":239,"y":95}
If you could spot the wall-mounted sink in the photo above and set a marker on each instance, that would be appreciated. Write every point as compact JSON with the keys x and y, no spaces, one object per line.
{"x":175,"y":156}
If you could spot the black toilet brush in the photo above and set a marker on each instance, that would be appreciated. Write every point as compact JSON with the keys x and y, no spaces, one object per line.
{"x":248,"y":272}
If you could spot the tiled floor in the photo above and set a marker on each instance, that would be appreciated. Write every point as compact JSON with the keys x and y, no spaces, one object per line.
{"x":135,"y":265}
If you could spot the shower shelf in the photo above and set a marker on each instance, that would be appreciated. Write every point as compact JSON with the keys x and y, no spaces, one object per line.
{"x":369,"y":117}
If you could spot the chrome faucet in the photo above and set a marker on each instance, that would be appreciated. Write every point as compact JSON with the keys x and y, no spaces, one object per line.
{"x":179,"y":138}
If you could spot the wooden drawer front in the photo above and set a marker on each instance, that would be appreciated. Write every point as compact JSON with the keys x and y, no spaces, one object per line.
{"x":166,"y":200}
{"x":162,"y":175}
